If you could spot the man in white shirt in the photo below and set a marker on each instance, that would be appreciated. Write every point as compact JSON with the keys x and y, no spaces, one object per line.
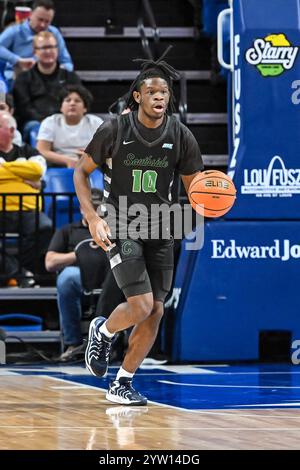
{"x":62,"y":137}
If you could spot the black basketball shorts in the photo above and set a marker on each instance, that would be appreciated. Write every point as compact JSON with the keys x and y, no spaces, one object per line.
{"x":143,"y":266}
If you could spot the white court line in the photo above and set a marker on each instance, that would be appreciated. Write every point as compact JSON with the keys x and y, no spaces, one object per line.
{"x":180,"y":369}
{"x":6,"y":372}
{"x":274,"y":387}
{"x":92,"y":387}
{"x":70,"y":382}
{"x":81,"y":371}
{"x":185,"y":369}
{"x":162,"y":405}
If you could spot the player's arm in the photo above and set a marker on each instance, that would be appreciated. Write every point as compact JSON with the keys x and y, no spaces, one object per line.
{"x":97,"y":226}
{"x":187,"y":179}
{"x":190,"y":163}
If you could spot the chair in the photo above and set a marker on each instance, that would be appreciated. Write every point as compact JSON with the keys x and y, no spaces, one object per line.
{"x":97,"y":180}
{"x":20,"y":322}
{"x":63,"y":205}
{"x":33,"y":135}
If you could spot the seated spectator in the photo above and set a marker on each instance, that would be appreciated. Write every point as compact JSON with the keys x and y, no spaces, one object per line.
{"x":8,"y":105}
{"x":61,"y":257}
{"x":21,"y":169}
{"x":62,"y":137}
{"x":8,"y":270}
{"x":37,"y":91}
{"x":16,"y":40}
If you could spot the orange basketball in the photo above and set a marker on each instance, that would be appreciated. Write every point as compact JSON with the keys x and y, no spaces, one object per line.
{"x":212,"y":193}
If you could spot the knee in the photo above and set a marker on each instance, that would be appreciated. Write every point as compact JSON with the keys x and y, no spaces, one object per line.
{"x":158,"y":310}
{"x":68,"y":280}
{"x":141,"y":307}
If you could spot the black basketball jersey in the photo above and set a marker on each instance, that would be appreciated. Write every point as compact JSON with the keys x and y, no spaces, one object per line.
{"x":139,"y":169}
{"x":143,"y":171}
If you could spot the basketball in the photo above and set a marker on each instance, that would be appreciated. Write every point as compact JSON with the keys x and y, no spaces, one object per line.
{"x":212,"y":193}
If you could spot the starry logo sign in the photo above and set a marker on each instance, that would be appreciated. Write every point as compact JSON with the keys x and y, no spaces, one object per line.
{"x":272,"y":55}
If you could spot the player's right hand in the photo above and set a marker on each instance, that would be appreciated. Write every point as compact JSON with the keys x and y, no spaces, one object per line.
{"x":100,"y":232}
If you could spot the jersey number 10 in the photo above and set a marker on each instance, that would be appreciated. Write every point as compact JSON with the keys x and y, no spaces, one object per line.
{"x":144,"y":181}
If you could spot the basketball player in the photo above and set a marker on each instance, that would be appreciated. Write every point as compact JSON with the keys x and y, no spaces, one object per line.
{"x":138,"y":153}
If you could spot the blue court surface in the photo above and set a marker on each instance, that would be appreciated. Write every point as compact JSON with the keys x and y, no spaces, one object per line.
{"x":194,"y":387}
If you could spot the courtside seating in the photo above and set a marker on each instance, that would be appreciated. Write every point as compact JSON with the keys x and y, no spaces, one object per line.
{"x":96,"y":179}
{"x":33,"y":135}
{"x":20,"y":322}
{"x":65,"y":203}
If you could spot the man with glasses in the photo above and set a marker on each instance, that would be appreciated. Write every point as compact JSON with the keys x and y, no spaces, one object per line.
{"x":37,"y":90}
{"x":16,"y":40}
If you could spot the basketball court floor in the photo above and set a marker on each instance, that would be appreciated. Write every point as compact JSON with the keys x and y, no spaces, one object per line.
{"x":190,"y":407}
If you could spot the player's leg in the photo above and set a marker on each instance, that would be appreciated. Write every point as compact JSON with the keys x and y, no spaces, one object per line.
{"x":144,"y":333}
{"x":102,"y":331}
{"x":132,"y":277}
{"x":130,"y":313}
{"x":142,"y":338}
{"x":160,"y":269}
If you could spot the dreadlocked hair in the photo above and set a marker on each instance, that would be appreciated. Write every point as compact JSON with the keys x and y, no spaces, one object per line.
{"x":151,"y":69}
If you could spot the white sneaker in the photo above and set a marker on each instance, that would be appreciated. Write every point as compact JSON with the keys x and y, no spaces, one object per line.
{"x":98,"y":349}
{"x":121,"y":391}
